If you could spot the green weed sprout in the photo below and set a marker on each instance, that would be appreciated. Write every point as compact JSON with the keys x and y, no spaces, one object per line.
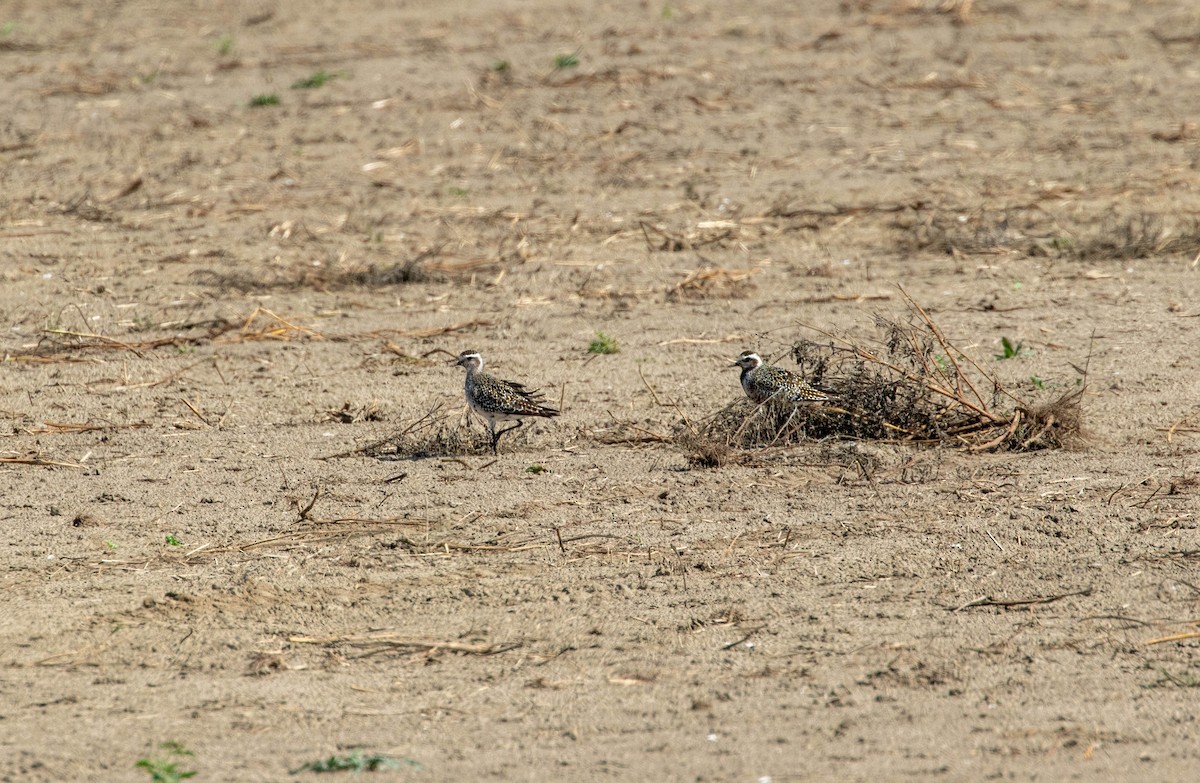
{"x":603,"y":343}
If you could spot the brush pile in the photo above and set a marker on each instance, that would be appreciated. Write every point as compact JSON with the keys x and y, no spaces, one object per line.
{"x":911,"y":385}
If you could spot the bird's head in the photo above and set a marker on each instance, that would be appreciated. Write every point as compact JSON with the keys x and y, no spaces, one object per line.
{"x":747,"y":360}
{"x":472,"y":360}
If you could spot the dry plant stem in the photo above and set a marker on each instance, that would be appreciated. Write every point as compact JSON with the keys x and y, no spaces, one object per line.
{"x":985,"y":600}
{"x":1176,"y":637}
{"x":442,"y":330}
{"x":649,"y":388}
{"x":586,"y":536}
{"x":279,"y":332}
{"x":1177,"y":426}
{"x":53,"y":427}
{"x":745,"y":638}
{"x":100,"y":337}
{"x":959,"y":376}
{"x":304,"y":512}
{"x":1016,"y":420}
{"x":39,"y":462}
{"x":935,"y":369}
{"x":199,"y":415}
{"x":967,"y":358}
{"x":390,"y":639}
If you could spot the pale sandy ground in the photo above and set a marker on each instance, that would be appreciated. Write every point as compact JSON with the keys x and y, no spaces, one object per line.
{"x":188,"y":298}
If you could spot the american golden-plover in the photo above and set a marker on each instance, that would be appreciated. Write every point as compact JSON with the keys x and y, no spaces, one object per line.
{"x":764,"y":381}
{"x":497,"y":400}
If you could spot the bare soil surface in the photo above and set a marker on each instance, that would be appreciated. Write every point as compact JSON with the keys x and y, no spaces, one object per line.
{"x":243,"y":510}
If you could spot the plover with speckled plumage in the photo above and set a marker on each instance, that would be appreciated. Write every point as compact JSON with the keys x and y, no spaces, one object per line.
{"x":498,"y":400}
{"x":764,"y":381}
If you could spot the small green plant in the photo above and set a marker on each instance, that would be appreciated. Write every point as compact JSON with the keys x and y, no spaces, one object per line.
{"x":357,"y":762}
{"x":536,"y":470}
{"x":167,"y":769}
{"x":667,"y":11}
{"x":318,"y":79}
{"x":565,"y":61}
{"x":604,"y":343}
{"x":454,"y":190}
{"x":173,"y":541}
{"x":266,"y":99}
{"x":1011,"y":350}
{"x":7,"y":28}
{"x":111,"y":546}
{"x":502,"y":66}
{"x":1038,"y":383}
{"x":225,"y":45}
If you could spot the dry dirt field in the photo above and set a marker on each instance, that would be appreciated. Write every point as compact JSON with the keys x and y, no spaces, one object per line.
{"x":243,"y":510}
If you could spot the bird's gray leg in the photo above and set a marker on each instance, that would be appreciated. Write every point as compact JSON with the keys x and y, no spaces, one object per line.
{"x":516,"y":426}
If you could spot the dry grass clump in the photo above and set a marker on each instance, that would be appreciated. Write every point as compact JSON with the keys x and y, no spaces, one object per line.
{"x":1014,"y":231}
{"x":1031,"y":231}
{"x":705,"y":448}
{"x":1143,"y":235}
{"x":321,"y":278}
{"x":437,"y":433}
{"x":913,"y":385}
